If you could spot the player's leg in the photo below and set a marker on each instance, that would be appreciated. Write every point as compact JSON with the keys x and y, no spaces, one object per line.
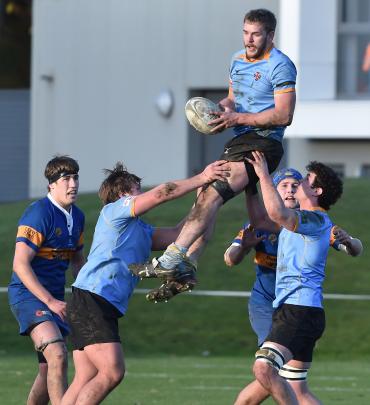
{"x":108,"y":360}
{"x":204,"y":212}
{"x":252,"y":394}
{"x":47,"y":339}
{"x":197,"y":248}
{"x":180,"y":261}
{"x":295,"y":373}
{"x":269,"y":359}
{"x":39,"y":391}
{"x":260,"y":317}
{"x":84,"y":372}
{"x":94,"y":328}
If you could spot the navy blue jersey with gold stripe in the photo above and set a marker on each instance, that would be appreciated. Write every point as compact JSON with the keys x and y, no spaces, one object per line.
{"x":45,"y":229}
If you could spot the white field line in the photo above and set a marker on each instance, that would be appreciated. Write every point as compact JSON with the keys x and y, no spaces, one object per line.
{"x":232,"y":388}
{"x":242,"y":294}
{"x":232,"y":376}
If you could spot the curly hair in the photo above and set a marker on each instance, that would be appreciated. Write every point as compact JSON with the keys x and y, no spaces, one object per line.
{"x":328,"y":181}
{"x":262,"y":16}
{"x":118,"y":181}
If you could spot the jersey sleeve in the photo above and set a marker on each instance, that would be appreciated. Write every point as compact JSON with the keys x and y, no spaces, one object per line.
{"x":121,"y":211}
{"x":238,"y":238}
{"x":32,"y":226}
{"x":284,"y":77}
{"x":310,"y":223}
{"x":333,"y":242}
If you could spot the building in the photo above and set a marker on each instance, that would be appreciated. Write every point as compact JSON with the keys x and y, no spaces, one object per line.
{"x":110,"y":80}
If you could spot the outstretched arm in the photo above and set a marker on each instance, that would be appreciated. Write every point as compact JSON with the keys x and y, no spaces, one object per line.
{"x":164,"y":236}
{"x":274,"y":205}
{"x":257,"y":214}
{"x":347,"y":244}
{"x":218,"y":170}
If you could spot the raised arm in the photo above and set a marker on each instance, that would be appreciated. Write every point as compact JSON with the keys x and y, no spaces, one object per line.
{"x":274,"y":205}
{"x":218,"y":170}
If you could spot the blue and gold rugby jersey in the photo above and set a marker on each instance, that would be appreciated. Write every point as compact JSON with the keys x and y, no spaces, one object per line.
{"x":253,"y":85}
{"x":265,"y":260}
{"x":43,"y":227}
{"x":263,"y":290}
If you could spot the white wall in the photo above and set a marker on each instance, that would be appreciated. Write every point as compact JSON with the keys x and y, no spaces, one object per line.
{"x":352,"y":154}
{"x":309,"y":37}
{"x":107,"y":61}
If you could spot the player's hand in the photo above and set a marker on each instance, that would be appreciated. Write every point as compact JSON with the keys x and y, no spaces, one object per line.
{"x":259,"y":163}
{"x":58,"y":307}
{"x":219,"y":170}
{"x":250,"y":238}
{"x":226,"y":119}
{"x":341,"y":235}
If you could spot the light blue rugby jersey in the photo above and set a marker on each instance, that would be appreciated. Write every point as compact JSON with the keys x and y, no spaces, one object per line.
{"x":253,"y":85}
{"x":301,"y":261}
{"x":120,"y":239}
{"x":263,"y":291}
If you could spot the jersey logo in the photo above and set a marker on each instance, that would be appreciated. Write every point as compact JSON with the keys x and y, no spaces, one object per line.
{"x":126,"y":201}
{"x":58,"y":231}
{"x":272,"y":238}
{"x":257,"y":76}
{"x":39,"y":312}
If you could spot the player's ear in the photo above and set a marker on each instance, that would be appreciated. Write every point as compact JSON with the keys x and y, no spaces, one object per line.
{"x":318,"y":191}
{"x":270,"y":35}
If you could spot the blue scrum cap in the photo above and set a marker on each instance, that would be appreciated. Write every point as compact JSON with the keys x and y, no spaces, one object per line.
{"x":286,"y":173}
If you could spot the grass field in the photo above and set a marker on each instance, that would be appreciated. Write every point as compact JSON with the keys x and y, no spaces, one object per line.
{"x":195,"y":380}
{"x":198,"y":350}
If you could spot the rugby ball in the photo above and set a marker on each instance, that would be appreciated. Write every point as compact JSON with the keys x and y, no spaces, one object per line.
{"x":198,"y":112}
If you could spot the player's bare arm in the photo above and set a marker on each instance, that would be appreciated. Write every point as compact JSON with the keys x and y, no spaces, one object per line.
{"x":348,"y":244}
{"x":280,"y":115}
{"x":163,"y":236}
{"x":22,"y":266}
{"x":274,"y":205}
{"x":76,"y":262}
{"x":227,"y":104}
{"x":236,"y":253}
{"x":218,"y":170}
{"x":258,"y":216}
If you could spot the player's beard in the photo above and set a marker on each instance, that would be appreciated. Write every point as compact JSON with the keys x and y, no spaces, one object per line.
{"x":260,"y":50}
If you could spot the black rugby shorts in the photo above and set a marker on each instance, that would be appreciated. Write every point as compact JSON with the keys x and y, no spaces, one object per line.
{"x":92,"y":319}
{"x":297,"y":328}
{"x":240,"y":148}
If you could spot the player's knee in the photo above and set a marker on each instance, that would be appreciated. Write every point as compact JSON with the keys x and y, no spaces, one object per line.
{"x":290,"y":373}
{"x":114,"y":376}
{"x":269,"y":360}
{"x":224,"y":190}
{"x":56,"y":355}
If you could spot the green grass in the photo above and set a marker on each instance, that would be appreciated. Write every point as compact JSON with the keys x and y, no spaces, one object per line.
{"x":190,"y":326}
{"x":195,"y":380}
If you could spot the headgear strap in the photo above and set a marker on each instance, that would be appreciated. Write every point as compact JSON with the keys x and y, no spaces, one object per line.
{"x":58,"y":176}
